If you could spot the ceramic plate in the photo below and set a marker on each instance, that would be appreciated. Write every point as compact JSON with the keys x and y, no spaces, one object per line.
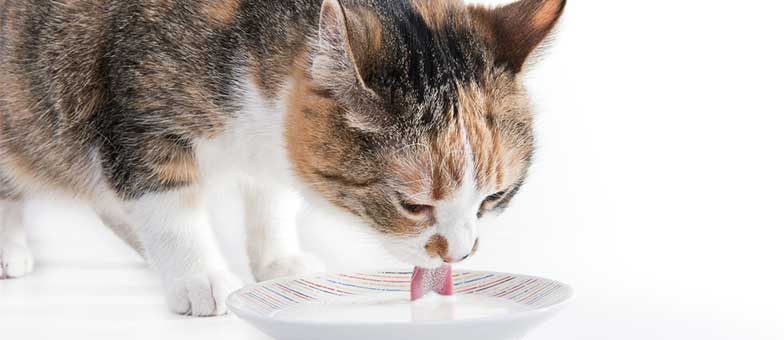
{"x":374,"y":305}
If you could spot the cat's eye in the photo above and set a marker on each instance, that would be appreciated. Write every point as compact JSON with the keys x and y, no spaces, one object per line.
{"x":416,"y":209}
{"x":495,"y":197}
{"x":489,"y":201}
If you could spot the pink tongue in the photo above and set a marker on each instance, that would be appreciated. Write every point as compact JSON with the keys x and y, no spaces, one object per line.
{"x":425,"y":280}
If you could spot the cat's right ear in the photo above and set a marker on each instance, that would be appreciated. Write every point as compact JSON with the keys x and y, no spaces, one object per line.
{"x":347,"y":41}
{"x":517,"y":29}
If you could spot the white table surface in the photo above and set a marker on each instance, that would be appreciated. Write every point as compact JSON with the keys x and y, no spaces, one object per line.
{"x":88,"y":285}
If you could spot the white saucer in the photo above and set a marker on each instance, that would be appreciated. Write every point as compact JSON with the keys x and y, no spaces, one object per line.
{"x":361,"y":306}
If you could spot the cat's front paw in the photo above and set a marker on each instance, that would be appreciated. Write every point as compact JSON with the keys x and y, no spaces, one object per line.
{"x":16,"y":260}
{"x":202,"y":294}
{"x":291,"y":265}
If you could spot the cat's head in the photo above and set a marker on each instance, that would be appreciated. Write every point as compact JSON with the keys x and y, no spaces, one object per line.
{"x":411,"y":116}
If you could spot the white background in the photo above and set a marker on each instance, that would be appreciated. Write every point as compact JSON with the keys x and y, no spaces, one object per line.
{"x":656,"y":193}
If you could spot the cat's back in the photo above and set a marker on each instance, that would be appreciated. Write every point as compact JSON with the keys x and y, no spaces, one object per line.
{"x":117,"y":91}
{"x":49,"y":51}
{"x":67,"y":57}
{"x":82,"y":78}
{"x":51,"y":86}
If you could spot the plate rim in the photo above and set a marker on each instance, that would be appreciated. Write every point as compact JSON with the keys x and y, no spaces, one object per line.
{"x":234,"y":300}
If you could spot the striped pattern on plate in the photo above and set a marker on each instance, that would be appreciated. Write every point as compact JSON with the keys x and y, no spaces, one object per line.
{"x":526,"y":291}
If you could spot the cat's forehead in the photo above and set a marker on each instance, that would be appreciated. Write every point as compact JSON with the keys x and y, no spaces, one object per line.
{"x":483,"y":141}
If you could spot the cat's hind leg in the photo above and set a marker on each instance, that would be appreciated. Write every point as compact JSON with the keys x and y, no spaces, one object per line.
{"x":16,"y":260}
{"x":272,"y":240}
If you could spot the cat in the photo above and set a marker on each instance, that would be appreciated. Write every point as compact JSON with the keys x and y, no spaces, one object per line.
{"x":406,"y":115}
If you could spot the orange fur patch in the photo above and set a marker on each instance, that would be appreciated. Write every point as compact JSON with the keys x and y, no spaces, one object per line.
{"x":437,"y":246}
{"x":220,"y":12}
{"x":546,"y":14}
{"x":305,"y":107}
{"x":499,"y":151}
{"x":180,"y":168}
{"x":449,"y":161}
{"x":408,"y":167}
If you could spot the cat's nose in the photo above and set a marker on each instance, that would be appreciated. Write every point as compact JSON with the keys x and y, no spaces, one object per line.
{"x":461,"y":258}
{"x":450,"y":252}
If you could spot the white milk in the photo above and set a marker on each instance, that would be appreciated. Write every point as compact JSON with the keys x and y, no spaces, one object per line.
{"x":432,"y":307}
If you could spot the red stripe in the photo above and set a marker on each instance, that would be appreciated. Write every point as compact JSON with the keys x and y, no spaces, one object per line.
{"x":375,"y":280}
{"x":327,"y":288}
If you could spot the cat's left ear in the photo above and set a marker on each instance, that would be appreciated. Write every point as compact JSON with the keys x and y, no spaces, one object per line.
{"x":514,"y":31}
{"x":348,"y":41}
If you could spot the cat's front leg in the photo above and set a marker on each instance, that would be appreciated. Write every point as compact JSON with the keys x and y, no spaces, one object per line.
{"x":16,"y":260}
{"x":178,"y":242}
{"x":273,"y":241}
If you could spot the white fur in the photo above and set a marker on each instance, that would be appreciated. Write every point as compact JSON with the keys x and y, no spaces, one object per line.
{"x":179,"y":243}
{"x":15,"y":257}
{"x":273,"y":243}
{"x":258,"y":160}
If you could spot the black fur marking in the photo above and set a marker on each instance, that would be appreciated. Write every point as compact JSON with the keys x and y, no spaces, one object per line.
{"x":421,"y":68}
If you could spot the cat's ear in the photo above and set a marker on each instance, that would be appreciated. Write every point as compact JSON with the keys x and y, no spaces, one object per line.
{"x":348,"y":41}
{"x":514,"y":31}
